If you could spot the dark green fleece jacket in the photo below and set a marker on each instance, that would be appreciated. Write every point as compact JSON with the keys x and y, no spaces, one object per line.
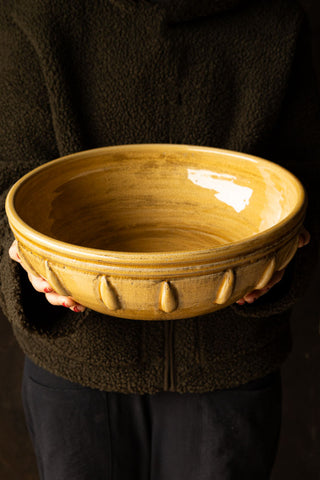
{"x":76,"y":75}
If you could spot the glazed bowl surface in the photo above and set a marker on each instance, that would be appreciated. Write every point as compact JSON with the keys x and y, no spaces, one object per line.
{"x":156,"y":231}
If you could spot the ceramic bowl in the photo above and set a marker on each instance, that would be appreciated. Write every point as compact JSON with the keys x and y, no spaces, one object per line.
{"x":156,"y":231}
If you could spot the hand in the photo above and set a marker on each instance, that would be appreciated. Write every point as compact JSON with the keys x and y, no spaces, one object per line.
{"x":304,"y":239}
{"x":41,"y":285}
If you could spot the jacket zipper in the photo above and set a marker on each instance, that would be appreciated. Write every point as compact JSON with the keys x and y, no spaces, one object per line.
{"x":169,"y":380}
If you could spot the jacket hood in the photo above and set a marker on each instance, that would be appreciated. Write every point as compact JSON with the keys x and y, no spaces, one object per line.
{"x":182,"y":10}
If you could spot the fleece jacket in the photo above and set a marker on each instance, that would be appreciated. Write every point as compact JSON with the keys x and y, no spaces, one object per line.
{"x":231,"y":74}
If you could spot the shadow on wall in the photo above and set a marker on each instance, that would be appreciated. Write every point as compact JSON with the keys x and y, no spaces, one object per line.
{"x":298,"y":455}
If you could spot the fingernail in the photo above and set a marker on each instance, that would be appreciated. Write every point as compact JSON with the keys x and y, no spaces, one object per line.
{"x":65,"y":305}
{"x":47,"y":290}
{"x":251,"y":300}
{"x":78,"y":308}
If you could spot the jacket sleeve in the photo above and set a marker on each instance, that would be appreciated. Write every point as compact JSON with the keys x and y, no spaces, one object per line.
{"x":295,"y":144}
{"x":27,"y":140}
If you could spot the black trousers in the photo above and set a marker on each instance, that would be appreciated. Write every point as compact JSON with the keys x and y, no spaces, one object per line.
{"x":83,"y":434}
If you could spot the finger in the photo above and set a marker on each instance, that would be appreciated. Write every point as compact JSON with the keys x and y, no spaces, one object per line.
{"x":255,"y":294}
{"x":304,"y":238}
{"x":61,"y":300}
{"x":241,"y":301}
{"x":39,"y":283}
{"x":13,"y":252}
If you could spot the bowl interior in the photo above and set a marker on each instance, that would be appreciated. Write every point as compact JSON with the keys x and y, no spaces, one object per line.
{"x":155,"y":198}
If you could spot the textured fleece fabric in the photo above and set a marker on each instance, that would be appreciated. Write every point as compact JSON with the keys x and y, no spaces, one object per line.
{"x":231,"y":74}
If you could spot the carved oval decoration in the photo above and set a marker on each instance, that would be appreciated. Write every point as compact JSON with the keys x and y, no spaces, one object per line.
{"x":267,"y":274}
{"x":168,"y":300}
{"x":225,"y":288}
{"x":24,"y":262}
{"x":108,"y":294}
{"x":54,"y":281}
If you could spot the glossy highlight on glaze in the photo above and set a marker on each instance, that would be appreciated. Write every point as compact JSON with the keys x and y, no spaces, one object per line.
{"x":224,"y":185}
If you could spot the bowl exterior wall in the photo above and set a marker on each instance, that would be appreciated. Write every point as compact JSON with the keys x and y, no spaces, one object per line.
{"x":164,"y":298}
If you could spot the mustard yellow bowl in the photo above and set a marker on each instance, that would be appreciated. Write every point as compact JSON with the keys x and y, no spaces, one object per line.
{"x":156,"y":231}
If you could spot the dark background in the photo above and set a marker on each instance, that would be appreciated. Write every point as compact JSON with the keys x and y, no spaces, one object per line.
{"x":299,"y":450}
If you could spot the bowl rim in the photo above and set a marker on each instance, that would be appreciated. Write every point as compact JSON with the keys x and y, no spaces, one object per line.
{"x":218,"y":253}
